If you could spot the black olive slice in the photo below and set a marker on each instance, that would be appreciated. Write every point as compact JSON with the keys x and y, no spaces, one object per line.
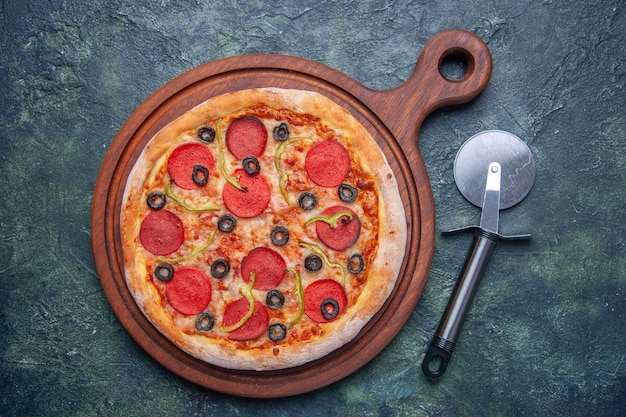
{"x":275,"y":299}
{"x":313,"y":263}
{"x":281,"y":132}
{"x":220,"y":268}
{"x":206,"y":134}
{"x":356,"y":264}
{"x":307,"y":201}
{"x":251,"y":165}
{"x":205,"y":322}
{"x":164,"y":271}
{"x":156,"y":200}
{"x":200,"y":174}
{"x":226,"y":223}
{"x":279,"y":236}
{"x":347,"y":193}
{"x":277,"y":332}
{"x":330,"y":308}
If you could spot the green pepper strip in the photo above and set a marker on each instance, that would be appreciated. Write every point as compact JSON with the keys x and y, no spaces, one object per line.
{"x":170,"y":194}
{"x":283,"y":175}
{"x":331,"y":220}
{"x":300,"y":295}
{"x":246,"y":292}
{"x":319,"y":251}
{"x":231,"y":180}
{"x":194,"y":252}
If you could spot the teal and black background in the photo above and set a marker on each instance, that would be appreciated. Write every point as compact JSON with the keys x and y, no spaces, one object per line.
{"x":546,"y":335}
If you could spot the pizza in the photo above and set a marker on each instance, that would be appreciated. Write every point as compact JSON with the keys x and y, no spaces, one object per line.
{"x":262,"y":229}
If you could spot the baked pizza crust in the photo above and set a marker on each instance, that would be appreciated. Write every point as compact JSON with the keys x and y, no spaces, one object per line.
{"x":382,"y":274}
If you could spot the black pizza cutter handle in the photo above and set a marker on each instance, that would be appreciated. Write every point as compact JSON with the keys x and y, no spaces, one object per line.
{"x":443,"y":342}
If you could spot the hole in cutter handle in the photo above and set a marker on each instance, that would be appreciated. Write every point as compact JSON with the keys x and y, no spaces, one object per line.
{"x":437,"y":357}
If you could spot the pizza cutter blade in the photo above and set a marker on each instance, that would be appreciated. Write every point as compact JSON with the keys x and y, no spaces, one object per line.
{"x":493,"y":170}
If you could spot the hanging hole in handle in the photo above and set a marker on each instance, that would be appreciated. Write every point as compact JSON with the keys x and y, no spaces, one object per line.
{"x":456,"y":64}
{"x":435,"y":364}
{"x":436,"y":360}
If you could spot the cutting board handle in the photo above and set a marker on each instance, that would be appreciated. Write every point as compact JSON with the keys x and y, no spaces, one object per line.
{"x":427,"y":89}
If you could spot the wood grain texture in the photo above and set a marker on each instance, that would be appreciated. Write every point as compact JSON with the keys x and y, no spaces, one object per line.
{"x":393,"y":117}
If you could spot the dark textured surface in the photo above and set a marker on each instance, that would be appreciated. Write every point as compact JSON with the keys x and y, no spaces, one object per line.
{"x":546,"y":331}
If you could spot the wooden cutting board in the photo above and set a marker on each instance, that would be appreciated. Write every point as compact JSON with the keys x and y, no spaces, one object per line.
{"x":393,"y":117}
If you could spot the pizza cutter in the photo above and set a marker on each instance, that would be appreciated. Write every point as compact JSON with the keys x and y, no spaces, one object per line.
{"x":493,"y":170}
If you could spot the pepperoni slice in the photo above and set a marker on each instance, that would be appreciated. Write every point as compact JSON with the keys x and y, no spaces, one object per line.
{"x":344,"y":235}
{"x":323,"y":294}
{"x":246,"y":137}
{"x":184,"y":163}
{"x":251,"y":202}
{"x":161,"y":232}
{"x":267,"y":264}
{"x":256,"y":325}
{"x":327,"y":163}
{"x":189,"y":292}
